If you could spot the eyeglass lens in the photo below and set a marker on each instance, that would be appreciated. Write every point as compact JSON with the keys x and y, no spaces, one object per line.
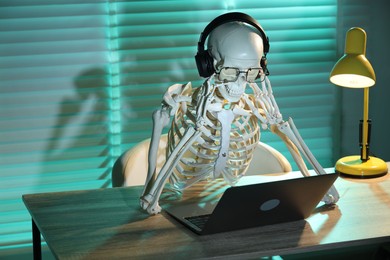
{"x":229,"y":74}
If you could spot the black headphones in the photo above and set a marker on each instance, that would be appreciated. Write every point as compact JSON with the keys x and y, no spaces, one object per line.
{"x":203,"y":59}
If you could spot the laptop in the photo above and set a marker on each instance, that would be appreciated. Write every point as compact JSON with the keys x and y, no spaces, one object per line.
{"x":255,"y":205}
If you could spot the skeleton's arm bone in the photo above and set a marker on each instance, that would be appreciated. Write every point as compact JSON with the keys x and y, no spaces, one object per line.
{"x":288,"y":131}
{"x":289,"y":134}
{"x":160,"y":120}
{"x":272,"y":116}
{"x":161,"y":117}
{"x":292,"y":148}
{"x":150,"y":197}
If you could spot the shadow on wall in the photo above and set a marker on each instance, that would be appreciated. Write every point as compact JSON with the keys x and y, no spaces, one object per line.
{"x":81,"y":132}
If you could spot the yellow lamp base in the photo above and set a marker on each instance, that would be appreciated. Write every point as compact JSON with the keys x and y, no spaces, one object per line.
{"x":354,"y":166}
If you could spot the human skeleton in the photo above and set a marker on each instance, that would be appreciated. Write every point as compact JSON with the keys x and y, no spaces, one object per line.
{"x":216,"y":127}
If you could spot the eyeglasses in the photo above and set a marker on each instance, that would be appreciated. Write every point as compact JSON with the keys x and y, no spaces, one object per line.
{"x":230,"y":74}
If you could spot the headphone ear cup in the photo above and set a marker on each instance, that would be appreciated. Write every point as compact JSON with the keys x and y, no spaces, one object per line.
{"x":204,"y":63}
{"x":263,"y":64}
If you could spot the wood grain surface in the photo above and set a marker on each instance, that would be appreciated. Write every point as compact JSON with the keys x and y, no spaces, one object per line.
{"x":108,"y":224}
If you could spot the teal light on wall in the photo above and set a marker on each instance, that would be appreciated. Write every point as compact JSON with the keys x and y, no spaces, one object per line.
{"x":138,"y":59}
{"x":230,"y":4}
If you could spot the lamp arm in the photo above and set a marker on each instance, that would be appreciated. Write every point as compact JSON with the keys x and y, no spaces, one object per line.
{"x":365,"y":129}
{"x":364,"y":144}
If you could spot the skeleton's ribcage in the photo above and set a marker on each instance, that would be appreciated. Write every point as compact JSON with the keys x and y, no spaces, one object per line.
{"x":199,"y":160}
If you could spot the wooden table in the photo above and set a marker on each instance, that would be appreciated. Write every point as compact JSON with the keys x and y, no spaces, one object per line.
{"x":108,"y":224}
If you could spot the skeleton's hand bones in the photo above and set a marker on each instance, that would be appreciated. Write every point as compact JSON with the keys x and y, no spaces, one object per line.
{"x":173,"y":98}
{"x":269,"y":110}
{"x":264,"y":105}
{"x":267,"y":100}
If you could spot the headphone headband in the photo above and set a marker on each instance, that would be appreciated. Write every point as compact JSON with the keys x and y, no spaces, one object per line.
{"x":233,"y":17}
{"x":203,"y":59}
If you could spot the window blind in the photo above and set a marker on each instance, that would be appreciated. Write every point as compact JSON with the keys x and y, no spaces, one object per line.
{"x":55,"y":104}
{"x":79,"y":81}
{"x":157,"y":42}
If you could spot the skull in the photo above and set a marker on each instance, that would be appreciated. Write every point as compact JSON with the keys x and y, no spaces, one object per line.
{"x":234,"y":45}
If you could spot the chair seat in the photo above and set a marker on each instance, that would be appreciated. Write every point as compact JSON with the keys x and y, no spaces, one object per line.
{"x":131,"y":168}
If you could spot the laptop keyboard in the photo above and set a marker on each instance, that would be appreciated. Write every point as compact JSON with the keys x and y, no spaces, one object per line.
{"x":199,"y":221}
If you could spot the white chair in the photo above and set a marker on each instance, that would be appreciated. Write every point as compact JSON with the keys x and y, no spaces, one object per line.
{"x":131,"y":168}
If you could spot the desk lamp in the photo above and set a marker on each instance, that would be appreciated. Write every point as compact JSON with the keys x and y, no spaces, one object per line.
{"x":353,"y":70}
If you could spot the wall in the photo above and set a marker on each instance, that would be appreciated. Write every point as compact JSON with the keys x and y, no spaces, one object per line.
{"x":380,"y":95}
{"x":374,"y":21}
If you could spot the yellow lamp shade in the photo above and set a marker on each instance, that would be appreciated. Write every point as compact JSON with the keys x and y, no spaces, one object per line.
{"x":353,"y":70}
